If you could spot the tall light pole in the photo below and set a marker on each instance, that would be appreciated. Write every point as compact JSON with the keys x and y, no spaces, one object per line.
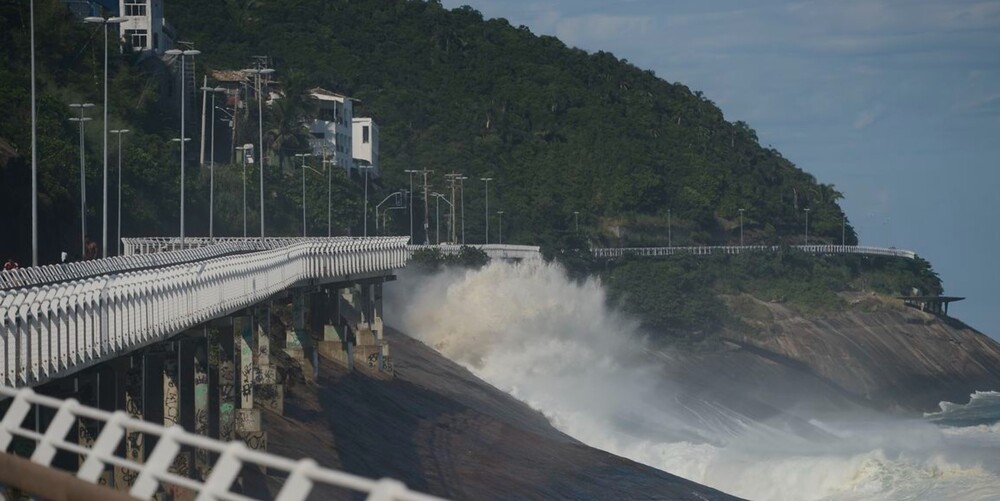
{"x":105,"y":22}
{"x":807,"y":226}
{"x":380,"y":204}
{"x":83,"y":175}
{"x":461,"y":186}
{"x":670,"y":239}
{"x":366,"y":168}
{"x":211,"y":163}
{"x":303,"y":156}
{"x":34,"y":146}
{"x":329,"y":164}
{"x":437,"y":217}
{"x":119,"y":132}
{"x":183,"y":139}
{"x":500,"y":224}
{"x":741,"y":227}
{"x":411,"y":172}
{"x":243,"y":149}
{"x":257,"y":72}
{"x":487,"y":181}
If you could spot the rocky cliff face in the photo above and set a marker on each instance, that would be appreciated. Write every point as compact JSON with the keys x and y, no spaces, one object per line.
{"x":894,"y":357}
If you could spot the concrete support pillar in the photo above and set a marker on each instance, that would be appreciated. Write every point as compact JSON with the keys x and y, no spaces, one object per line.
{"x":133,"y":405}
{"x":176,"y":406}
{"x":86,"y":393}
{"x":222,"y":378}
{"x":202,"y":460}
{"x":336,"y":341}
{"x":268,"y":394}
{"x":243,"y":328}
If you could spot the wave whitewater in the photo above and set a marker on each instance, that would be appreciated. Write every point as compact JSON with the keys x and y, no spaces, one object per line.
{"x":557,"y":346}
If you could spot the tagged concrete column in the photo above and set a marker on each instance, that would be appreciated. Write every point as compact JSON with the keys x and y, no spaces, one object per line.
{"x":247,"y":418}
{"x":173,"y":410}
{"x":202,"y":460}
{"x":134,"y":450}
{"x":268,"y":394}
{"x":223,"y":380}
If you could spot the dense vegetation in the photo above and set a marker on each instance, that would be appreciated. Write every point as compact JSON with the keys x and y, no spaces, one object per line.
{"x":686,"y":296}
{"x":432,"y":260}
{"x":562,"y":131}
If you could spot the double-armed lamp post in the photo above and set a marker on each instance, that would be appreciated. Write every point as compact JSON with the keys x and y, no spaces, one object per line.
{"x":257,"y":73}
{"x":211,"y":163}
{"x":183,"y":139}
{"x":83,"y":175}
{"x":105,"y":22}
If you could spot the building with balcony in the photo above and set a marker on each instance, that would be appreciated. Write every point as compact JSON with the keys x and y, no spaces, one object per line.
{"x":332,"y":129}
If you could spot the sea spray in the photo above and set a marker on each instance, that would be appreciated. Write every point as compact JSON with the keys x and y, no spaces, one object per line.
{"x":556,"y":345}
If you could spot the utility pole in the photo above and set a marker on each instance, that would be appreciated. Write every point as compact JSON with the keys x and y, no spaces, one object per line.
{"x":453,"y":180}
{"x":411,"y":172}
{"x":461,"y":186}
{"x":487,"y":181}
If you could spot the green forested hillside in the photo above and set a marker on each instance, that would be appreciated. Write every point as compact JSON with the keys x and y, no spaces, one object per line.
{"x":559,"y":129}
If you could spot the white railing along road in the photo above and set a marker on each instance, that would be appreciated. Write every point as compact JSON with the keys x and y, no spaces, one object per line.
{"x":614,"y":252}
{"x":53,"y":330}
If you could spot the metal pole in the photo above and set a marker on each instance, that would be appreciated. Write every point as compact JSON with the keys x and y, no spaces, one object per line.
{"x":462,"y":187}
{"x":487,"y":181}
{"x":260,"y":128}
{"x":104,"y":224}
{"x":741,"y":227}
{"x":303,"y":197}
{"x":83,"y":192}
{"x":437,"y":218}
{"x":410,"y":172}
{"x":329,"y":200}
{"x":500,"y":224}
{"x":182,"y":149}
{"x":576,"y":220}
{"x":670,"y":242}
{"x":843,"y":230}
{"x":365,"y":211}
{"x":211,"y":175}
{"x":34,"y":147}
{"x":807,"y":226}
{"x":244,"y":192}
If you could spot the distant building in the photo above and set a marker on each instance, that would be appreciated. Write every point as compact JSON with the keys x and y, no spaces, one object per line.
{"x":332,"y":129}
{"x":365,"y":133}
{"x":144,"y":27}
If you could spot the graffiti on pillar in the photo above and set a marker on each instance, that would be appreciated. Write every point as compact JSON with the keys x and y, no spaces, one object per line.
{"x":373,"y":360}
{"x":256,"y":440}
{"x":134,"y":442}
{"x":171,"y":406}
{"x":201,"y":403}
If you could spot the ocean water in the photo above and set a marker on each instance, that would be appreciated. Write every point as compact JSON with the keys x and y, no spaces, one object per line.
{"x":555,"y":345}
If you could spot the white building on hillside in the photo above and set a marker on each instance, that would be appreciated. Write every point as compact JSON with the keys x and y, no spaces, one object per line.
{"x":332,"y":128}
{"x":366,"y":144}
{"x":144,"y":27}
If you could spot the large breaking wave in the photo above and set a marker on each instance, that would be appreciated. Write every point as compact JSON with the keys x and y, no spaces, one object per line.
{"x":554,"y":344}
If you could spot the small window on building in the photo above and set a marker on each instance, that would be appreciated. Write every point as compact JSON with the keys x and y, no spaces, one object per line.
{"x":138,"y":38}
{"x":135,"y":7}
{"x":364,"y":135}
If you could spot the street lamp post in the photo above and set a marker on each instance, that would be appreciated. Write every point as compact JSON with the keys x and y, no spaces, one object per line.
{"x":303,"y":156}
{"x":487,"y":181}
{"x":500,"y":224}
{"x":807,"y":226}
{"x":83,"y":176}
{"x":670,"y":240}
{"x":329,"y":195}
{"x":576,"y":219}
{"x":461,"y":186}
{"x":119,"y":132}
{"x":741,"y":227}
{"x":411,"y":172}
{"x":843,"y":230}
{"x":105,"y":22}
{"x":257,"y":72}
{"x":183,"y":139}
{"x":34,"y":145}
{"x":384,"y":200}
{"x":211,"y":163}
{"x":366,"y":168}
{"x":243,"y":149}
{"x":437,"y":217}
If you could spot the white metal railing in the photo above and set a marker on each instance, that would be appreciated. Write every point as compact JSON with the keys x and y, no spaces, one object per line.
{"x":494,"y":251}
{"x":733,"y":249}
{"x":155,"y":470}
{"x":156,"y":245}
{"x":39,"y":275}
{"x":52,"y":330}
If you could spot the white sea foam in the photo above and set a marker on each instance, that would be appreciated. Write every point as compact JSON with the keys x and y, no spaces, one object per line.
{"x":554,"y":344}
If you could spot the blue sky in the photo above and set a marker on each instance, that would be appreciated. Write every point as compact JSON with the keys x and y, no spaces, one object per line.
{"x":897,"y":103}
